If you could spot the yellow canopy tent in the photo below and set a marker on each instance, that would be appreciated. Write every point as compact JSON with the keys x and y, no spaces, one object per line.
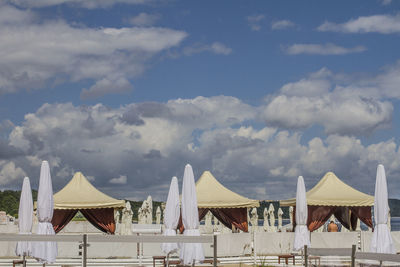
{"x":229,"y":207}
{"x":332,"y":196}
{"x":80,"y":195}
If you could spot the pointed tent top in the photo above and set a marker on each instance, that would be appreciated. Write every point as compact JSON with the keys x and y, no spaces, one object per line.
{"x":79,"y":193}
{"x":212,"y":194}
{"x":331,"y":191}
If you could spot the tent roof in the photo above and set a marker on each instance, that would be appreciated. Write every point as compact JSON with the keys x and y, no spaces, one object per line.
{"x":212,"y":194}
{"x":79,"y":193}
{"x":331,"y":191}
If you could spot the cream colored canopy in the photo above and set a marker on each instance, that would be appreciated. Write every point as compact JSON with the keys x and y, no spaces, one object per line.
{"x":79,"y":193}
{"x":331,"y":191}
{"x":212,"y":194}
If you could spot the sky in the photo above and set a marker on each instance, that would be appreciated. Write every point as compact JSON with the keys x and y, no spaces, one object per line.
{"x":258,"y":92}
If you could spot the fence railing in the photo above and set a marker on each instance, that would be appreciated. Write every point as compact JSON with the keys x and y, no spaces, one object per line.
{"x":85,"y":239}
{"x":330,"y":252}
{"x":350,"y":252}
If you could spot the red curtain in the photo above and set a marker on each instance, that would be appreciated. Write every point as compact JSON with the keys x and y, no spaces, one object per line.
{"x":364,"y":214}
{"x":227,"y":216}
{"x":353,"y":220}
{"x":202,"y":213}
{"x":61,"y":218}
{"x":232,"y":216}
{"x":347,"y":216}
{"x":318,"y":215}
{"x":343,"y":215}
{"x":102,"y":219}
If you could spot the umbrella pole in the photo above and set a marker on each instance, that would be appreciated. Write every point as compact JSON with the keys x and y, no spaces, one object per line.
{"x":23,"y":261}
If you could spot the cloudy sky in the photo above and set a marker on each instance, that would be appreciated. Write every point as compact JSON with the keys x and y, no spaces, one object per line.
{"x":129,"y":91}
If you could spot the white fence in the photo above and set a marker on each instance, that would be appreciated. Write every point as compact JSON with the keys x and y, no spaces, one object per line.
{"x":87,"y":240}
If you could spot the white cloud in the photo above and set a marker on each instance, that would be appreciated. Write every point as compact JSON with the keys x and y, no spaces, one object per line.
{"x":388,"y":82}
{"x":120,"y":180}
{"x":307,"y":87}
{"x":384,"y":24}
{"x":322,"y":49}
{"x":282,"y":24}
{"x":386,"y":2}
{"x":9,"y":172}
{"x":342,"y":105}
{"x":91,"y":178}
{"x":337,"y":114}
{"x":216,"y":48}
{"x":153,"y":141}
{"x":219,"y":48}
{"x":90,"y":4}
{"x":104,"y":142}
{"x":11,"y":15}
{"x":35,"y":55}
{"x":145,"y":19}
{"x":107,"y":86}
{"x":254,"y":21}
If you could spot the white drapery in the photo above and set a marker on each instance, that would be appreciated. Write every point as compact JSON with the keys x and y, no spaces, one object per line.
{"x":190,"y":252}
{"x":301,"y":235}
{"x":45,"y":252}
{"x":171,"y":216}
{"x":25,"y":216}
{"x":382,"y":241}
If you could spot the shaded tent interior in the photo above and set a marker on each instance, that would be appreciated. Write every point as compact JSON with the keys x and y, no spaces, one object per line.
{"x":80,"y":195}
{"x":228,"y":207}
{"x":332,"y":196}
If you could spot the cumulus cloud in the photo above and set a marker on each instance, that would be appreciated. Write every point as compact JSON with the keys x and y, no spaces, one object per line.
{"x":142,"y":139}
{"x":144,"y":19}
{"x":11,"y":15}
{"x":90,"y":4}
{"x":216,"y":48}
{"x":342,"y":105}
{"x":282,"y":24}
{"x":9,"y":172}
{"x":322,"y":49}
{"x":120,"y":180}
{"x":337,"y":114}
{"x":35,"y":55}
{"x":106,"y":86}
{"x":254,"y":21}
{"x":384,"y":24}
{"x":153,"y":141}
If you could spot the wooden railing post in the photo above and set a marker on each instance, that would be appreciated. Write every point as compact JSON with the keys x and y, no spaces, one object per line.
{"x":254,"y":249}
{"x":215,"y":251}
{"x":353,"y":255}
{"x":305,"y":256}
{"x":84,"y":250}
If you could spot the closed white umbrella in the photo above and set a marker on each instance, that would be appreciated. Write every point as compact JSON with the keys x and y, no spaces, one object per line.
{"x":301,"y":234}
{"x":171,"y":216}
{"x":45,"y":252}
{"x":382,"y":241}
{"x":190,"y":252}
{"x":25,"y":215}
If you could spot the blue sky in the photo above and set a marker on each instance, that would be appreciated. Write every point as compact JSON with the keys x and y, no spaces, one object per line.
{"x":260,"y":92}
